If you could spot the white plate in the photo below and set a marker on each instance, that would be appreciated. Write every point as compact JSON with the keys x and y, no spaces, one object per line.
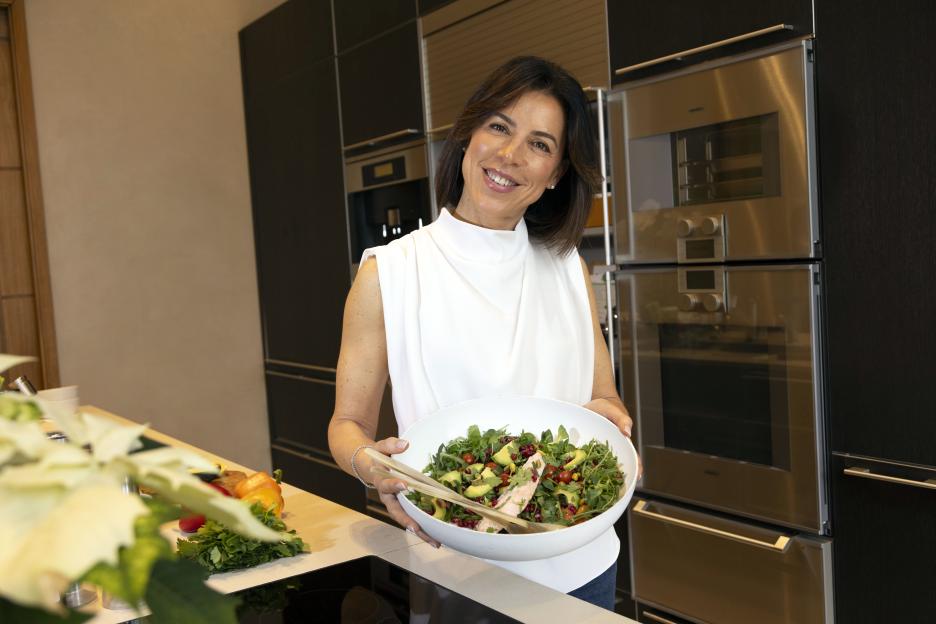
{"x":517,"y":414}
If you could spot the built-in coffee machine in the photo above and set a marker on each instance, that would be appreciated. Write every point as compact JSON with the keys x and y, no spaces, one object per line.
{"x":388,"y":195}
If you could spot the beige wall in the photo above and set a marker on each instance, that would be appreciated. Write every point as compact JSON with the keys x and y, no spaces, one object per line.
{"x":144,"y":174}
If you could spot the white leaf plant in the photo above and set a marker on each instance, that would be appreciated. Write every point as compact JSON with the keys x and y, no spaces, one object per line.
{"x":63,"y":507}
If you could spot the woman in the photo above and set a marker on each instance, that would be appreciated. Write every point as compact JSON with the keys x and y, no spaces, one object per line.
{"x":491,"y":298}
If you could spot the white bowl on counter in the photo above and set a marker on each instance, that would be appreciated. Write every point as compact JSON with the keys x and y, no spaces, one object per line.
{"x":517,"y":414}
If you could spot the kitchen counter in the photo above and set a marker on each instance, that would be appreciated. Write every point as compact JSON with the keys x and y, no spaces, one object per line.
{"x":336,"y":534}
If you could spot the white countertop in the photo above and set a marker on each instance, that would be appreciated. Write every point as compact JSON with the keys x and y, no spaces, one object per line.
{"x":336,"y":534}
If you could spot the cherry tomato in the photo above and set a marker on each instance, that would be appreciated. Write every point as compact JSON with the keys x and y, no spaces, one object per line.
{"x":565,"y":476}
{"x":469,"y":458}
{"x":504,"y":477}
{"x":550,"y":471}
{"x":491,"y":465}
{"x":190,"y":524}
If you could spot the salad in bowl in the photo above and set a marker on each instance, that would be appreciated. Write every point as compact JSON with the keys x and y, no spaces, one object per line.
{"x":579,"y":471}
{"x":540,"y":478}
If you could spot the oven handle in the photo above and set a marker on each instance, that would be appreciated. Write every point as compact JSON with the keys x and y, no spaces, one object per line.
{"x":708,"y":46}
{"x":383,"y":137}
{"x":657,"y":618}
{"x":865,"y":473}
{"x":780,"y":545}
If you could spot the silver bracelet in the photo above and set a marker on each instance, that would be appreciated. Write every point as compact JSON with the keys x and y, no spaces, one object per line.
{"x":354,"y":468}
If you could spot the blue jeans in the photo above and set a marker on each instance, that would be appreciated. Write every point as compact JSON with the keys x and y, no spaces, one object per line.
{"x":600,"y":590}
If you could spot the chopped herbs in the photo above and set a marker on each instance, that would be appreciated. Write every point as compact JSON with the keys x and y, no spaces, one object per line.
{"x":218,"y":549}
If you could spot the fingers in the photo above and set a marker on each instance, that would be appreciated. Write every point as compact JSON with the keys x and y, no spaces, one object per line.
{"x":389,"y":446}
{"x":388,"y":489}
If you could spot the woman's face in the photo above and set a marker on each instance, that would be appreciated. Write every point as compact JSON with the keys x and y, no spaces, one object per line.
{"x":511,"y":159}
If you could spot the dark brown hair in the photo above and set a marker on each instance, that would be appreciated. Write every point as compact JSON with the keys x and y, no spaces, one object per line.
{"x":557,"y":219}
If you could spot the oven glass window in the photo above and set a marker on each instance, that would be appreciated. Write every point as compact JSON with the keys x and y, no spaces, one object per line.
{"x":724,"y":392}
{"x":727,"y":161}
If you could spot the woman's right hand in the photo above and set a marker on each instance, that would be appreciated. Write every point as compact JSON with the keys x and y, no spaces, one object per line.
{"x":389,"y":488}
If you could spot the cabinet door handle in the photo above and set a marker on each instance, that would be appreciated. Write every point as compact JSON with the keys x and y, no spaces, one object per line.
{"x":780,"y":545}
{"x":707,"y":46}
{"x":865,"y":473}
{"x":657,"y":618}
{"x":440,"y":129}
{"x":383,"y":137}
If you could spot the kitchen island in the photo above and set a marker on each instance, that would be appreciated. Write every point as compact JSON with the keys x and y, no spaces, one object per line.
{"x":336,"y":535}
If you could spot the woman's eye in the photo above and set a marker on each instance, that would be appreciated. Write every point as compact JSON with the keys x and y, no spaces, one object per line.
{"x":498,"y":127}
{"x":540,"y":145}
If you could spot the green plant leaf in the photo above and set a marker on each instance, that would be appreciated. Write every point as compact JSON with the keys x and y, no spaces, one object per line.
{"x":12,"y":612}
{"x":177,"y":594}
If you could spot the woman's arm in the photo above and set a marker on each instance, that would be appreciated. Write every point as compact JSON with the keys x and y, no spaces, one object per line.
{"x":360,"y":382}
{"x":605,"y":399}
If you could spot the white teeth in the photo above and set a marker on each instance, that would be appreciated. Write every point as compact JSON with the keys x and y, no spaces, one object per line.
{"x":501,"y":181}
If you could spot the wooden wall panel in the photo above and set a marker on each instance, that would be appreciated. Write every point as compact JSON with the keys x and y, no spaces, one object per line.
{"x":16,"y":277}
{"x":22,"y":220}
{"x":21,"y":336}
{"x":9,"y":126}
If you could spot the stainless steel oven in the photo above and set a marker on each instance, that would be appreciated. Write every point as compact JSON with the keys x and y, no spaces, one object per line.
{"x":717,"y":164}
{"x":719,"y":366}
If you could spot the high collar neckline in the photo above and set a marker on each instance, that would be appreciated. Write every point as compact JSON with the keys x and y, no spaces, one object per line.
{"x":480,"y":244}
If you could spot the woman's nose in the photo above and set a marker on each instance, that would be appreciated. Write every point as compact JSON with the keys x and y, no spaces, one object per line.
{"x":508,"y":150}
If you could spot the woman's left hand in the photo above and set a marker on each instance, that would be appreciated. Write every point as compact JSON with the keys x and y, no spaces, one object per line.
{"x":613,"y":409}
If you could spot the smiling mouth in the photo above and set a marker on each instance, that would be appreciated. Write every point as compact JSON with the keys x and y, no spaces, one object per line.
{"x":499,"y":179}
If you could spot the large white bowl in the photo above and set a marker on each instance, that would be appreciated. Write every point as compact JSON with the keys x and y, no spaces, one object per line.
{"x":517,"y":414}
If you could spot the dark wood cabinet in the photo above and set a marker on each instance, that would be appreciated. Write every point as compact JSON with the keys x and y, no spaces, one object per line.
{"x":290,"y":36}
{"x":299,"y":410}
{"x":381,"y":91}
{"x":885,"y":546}
{"x":299,"y":214}
{"x":359,"y":20}
{"x":310,"y":473}
{"x":428,"y":6}
{"x":643,"y":31}
{"x":876,"y":126}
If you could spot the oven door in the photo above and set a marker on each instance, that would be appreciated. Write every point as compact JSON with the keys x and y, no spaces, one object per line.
{"x":717,"y":164}
{"x":721,"y":362}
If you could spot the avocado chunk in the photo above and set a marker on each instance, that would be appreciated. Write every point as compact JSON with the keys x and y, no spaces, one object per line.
{"x":475,"y":491}
{"x":452,"y":478}
{"x":487,"y":473}
{"x":476,"y":468}
{"x":577,"y":458}
{"x":502,"y":456}
{"x":439,"y":507}
{"x":571,"y":498}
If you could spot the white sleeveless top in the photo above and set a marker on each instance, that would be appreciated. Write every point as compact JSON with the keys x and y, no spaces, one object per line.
{"x":471,"y":312}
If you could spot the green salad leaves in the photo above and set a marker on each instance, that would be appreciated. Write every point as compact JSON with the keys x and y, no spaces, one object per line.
{"x":219,"y":549}
{"x":578,"y":483}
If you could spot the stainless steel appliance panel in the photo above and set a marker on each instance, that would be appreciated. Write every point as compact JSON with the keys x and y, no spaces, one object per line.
{"x":713,"y":570}
{"x":721,"y":362}
{"x":723,"y":155}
